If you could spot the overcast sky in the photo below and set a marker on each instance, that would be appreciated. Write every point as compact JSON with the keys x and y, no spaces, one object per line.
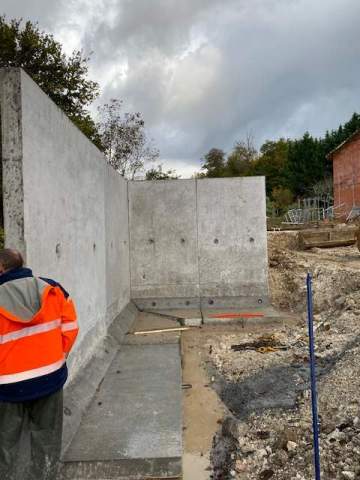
{"x":204,"y":73}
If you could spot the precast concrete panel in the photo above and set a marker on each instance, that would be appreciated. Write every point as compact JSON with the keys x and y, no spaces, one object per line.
{"x":163,"y":240}
{"x":232,"y":240}
{"x":64,"y":204}
{"x":117,"y":243}
{"x":59,"y":205}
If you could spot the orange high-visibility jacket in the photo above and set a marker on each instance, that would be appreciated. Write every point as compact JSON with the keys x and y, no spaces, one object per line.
{"x":38,"y":327}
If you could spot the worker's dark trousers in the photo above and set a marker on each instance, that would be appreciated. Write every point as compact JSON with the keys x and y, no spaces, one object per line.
{"x":41,"y":421}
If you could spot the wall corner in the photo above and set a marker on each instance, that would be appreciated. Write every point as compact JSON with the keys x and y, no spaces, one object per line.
{"x":12,"y":157}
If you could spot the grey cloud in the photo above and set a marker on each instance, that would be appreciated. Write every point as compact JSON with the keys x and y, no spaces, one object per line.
{"x":42,"y":11}
{"x":265,"y":66}
{"x":205,"y":72}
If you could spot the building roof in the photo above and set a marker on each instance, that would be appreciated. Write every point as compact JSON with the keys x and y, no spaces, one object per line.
{"x":350,"y":139}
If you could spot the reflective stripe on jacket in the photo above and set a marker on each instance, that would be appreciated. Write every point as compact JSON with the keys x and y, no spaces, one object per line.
{"x":38,"y":327}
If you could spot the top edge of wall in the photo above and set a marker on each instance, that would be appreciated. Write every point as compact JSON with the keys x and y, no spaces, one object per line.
{"x":24,"y":77}
{"x":207,"y":179}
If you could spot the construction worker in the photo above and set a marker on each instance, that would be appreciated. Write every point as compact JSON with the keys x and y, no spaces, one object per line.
{"x":38,"y":327}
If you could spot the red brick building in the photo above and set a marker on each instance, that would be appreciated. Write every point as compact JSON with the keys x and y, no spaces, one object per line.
{"x":346,"y":172}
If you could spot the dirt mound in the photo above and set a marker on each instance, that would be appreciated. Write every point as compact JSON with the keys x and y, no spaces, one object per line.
{"x":335,"y":274}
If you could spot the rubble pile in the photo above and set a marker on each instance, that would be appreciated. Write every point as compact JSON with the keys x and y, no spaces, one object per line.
{"x":267,"y":391}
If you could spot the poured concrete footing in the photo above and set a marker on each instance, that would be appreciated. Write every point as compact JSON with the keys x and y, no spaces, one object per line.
{"x":133,"y":428}
{"x":245,"y":316}
{"x":237,"y":313}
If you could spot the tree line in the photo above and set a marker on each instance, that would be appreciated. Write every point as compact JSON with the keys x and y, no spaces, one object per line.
{"x":293,"y":167}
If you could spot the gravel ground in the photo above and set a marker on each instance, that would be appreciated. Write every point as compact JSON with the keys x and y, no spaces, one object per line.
{"x":268,"y":433}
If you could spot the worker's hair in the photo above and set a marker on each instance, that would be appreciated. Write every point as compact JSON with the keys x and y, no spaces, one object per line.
{"x":10,"y":258}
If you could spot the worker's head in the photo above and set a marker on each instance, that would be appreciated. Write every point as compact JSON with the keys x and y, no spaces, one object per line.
{"x":10,"y":259}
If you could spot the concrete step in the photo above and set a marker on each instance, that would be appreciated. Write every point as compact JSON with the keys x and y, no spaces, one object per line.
{"x":133,"y":428}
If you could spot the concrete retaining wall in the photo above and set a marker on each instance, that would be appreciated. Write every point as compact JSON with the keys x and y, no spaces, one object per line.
{"x":189,"y":242}
{"x":198,"y":241}
{"x":232,"y":241}
{"x":163,"y":240}
{"x":65,"y":209}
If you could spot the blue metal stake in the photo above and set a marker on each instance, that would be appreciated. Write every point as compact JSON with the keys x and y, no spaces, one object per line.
{"x":313,"y":378}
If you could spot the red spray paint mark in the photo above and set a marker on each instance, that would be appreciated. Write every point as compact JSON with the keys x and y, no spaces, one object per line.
{"x":237,"y":315}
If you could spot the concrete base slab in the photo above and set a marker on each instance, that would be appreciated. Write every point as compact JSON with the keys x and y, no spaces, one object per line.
{"x":79,"y":392}
{"x":189,"y":317}
{"x":153,"y":468}
{"x":183,"y":305}
{"x":242,"y":316}
{"x":177,"y":313}
{"x":212,"y":302}
{"x":149,"y":321}
{"x":133,"y":428}
{"x":155,"y":304}
{"x":171,"y":338}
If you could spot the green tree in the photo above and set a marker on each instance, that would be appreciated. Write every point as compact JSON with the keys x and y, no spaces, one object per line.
{"x":272,"y":163}
{"x":157,"y":173}
{"x":282,"y":198}
{"x":63,"y":78}
{"x":239,"y":161}
{"x":214,"y":163}
{"x":306,"y":164}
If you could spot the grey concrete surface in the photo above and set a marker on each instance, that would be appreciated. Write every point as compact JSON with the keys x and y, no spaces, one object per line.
{"x":232,"y":238}
{"x":168,"y":303}
{"x":11,"y":155}
{"x":134,"y":420}
{"x":198,"y":242}
{"x":64,"y":208}
{"x":189,"y":317}
{"x":177,"y":313}
{"x":80,"y":391}
{"x":240,"y":301}
{"x":218,"y":316}
{"x":154,"y":468}
{"x":117,"y":243}
{"x":163,"y":249}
